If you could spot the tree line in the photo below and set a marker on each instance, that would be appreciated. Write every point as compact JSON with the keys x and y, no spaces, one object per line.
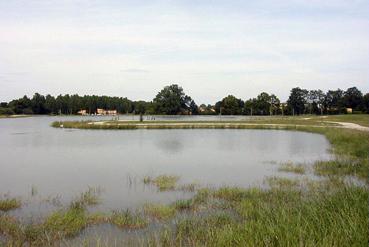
{"x":172,"y":100}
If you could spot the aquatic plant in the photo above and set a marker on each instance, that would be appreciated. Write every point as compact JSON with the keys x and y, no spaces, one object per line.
{"x":127,"y":219}
{"x":184,"y":204}
{"x":159,"y":211}
{"x":290,"y":167}
{"x":7,"y":204}
{"x":162,"y":182}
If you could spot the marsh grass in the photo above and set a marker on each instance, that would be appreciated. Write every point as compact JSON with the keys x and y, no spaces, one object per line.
{"x":127,"y":219}
{"x":162,"y":182}
{"x":282,"y":183}
{"x":159,"y":211}
{"x":7,"y":204}
{"x":184,"y":204}
{"x":192,"y":187}
{"x":342,"y":167}
{"x":280,"y":217}
{"x":293,"y":168}
{"x":66,"y":223}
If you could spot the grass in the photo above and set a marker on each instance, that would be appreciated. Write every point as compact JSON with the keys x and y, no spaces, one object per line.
{"x":281,"y":218}
{"x":361,"y":119}
{"x":88,"y":198}
{"x":14,"y":116}
{"x":267,"y":121}
{"x":290,"y":167}
{"x":184,"y":204}
{"x":342,"y":167}
{"x":127,"y":219}
{"x":189,"y":187}
{"x":67,"y":223}
{"x":8,"y":204}
{"x":159,"y":211}
{"x":162,"y":182}
{"x":282,"y":183}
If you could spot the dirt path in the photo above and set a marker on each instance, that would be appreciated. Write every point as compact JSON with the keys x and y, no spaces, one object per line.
{"x":347,"y":125}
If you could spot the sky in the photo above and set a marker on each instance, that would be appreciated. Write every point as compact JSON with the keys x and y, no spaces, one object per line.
{"x":211,"y":48}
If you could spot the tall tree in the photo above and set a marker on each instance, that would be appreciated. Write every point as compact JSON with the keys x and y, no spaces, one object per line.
{"x":297,"y":100}
{"x":38,"y":104}
{"x":334,"y":101}
{"x":353,"y":98}
{"x":172,"y":100}
{"x":274,"y":104}
{"x":316,"y":101}
{"x":366,"y":102}
{"x":230,"y":105}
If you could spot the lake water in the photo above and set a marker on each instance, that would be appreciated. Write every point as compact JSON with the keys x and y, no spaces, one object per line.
{"x":59,"y":164}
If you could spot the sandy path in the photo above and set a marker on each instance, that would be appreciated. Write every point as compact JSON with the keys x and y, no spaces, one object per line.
{"x":347,"y":125}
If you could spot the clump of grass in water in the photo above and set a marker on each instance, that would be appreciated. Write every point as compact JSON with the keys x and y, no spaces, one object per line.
{"x":8,"y":204}
{"x":230,"y":193}
{"x":282,"y":183}
{"x":202,"y":196}
{"x":290,"y":167}
{"x":88,"y":198}
{"x":189,"y":187}
{"x":160,"y":212}
{"x":127,"y":219}
{"x":163,"y":182}
{"x":67,"y":223}
{"x":147,"y":180}
{"x":184,"y":204}
{"x":342,"y":167}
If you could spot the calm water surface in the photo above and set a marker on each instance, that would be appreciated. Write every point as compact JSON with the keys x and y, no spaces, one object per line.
{"x":62,"y":163}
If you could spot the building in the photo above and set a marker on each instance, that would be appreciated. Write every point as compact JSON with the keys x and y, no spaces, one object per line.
{"x":82,"y":112}
{"x":100,"y":111}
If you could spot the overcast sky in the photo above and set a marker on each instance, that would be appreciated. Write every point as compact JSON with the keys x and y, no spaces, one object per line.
{"x":211,"y":48}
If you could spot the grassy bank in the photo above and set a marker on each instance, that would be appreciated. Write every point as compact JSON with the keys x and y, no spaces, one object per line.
{"x":14,"y":116}
{"x":254,"y":122}
{"x":266,"y":124}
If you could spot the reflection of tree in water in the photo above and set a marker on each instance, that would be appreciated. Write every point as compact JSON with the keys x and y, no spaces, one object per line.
{"x":170,"y":145}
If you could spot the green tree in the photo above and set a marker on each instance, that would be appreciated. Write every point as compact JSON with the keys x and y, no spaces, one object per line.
{"x":172,"y":100}
{"x":297,"y":100}
{"x":353,"y":98}
{"x":230,"y":105}
{"x":333,"y":101}
{"x":274,"y":104}
{"x":250,"y":106}
{"x":366,"y":102}
{"x":316,"y":101}
{"x":50,"y":104}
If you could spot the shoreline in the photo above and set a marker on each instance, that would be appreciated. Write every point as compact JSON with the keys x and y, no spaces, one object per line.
{"x":202,"y":125}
